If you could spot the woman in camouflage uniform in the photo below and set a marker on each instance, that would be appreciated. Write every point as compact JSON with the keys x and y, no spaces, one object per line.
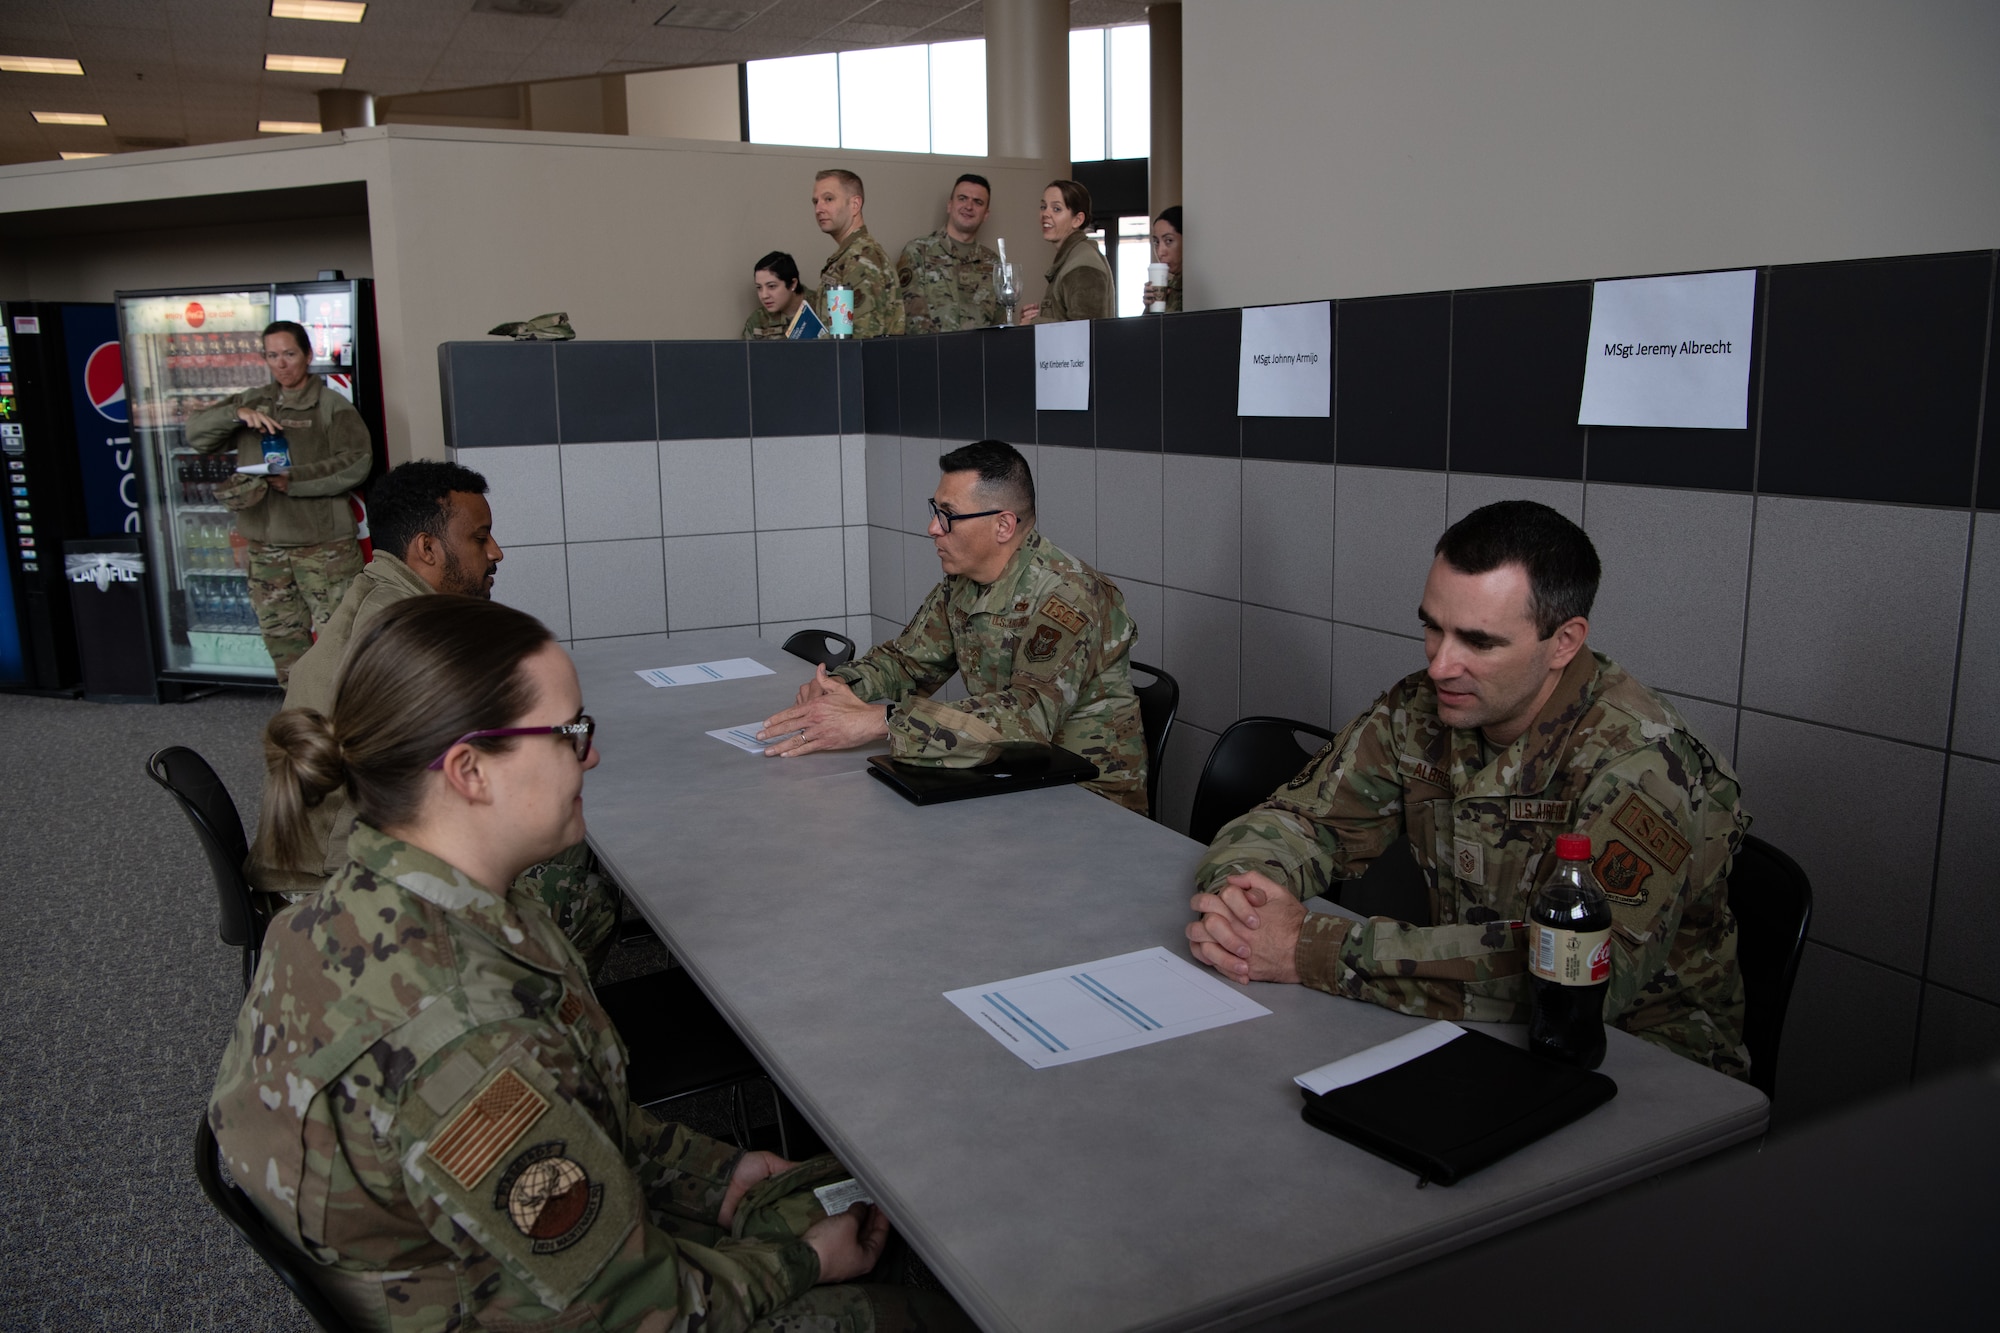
{"x":779,"y":296}
{"x":422,"y":1093}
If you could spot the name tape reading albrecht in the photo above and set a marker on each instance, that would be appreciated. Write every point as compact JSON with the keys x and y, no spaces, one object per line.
{"x":1670,"y":352}
{"x":1062,"y":366}
{"x":1287,"y":361}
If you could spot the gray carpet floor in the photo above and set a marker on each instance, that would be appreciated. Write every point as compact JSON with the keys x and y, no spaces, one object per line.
{"x":117,"y":999}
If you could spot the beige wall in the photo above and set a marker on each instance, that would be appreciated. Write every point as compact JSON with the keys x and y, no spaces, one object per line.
{"x":702,"y":103}
{"x":1354,"y":147}
{"x":468,"y":228}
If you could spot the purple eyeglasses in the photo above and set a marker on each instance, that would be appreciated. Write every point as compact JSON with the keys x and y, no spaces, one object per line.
{"x":579,"y":733}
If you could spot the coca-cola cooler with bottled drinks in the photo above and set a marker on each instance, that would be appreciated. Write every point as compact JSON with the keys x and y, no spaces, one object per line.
{"x":187,"y":349}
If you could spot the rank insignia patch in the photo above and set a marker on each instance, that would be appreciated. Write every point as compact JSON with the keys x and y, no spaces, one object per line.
{"x":1064,"y":614}
{"x":1658,"y":838}
{"x":548,"y":1197}
{"x":491,"y":1123}
{"x":1043,"y":645}
{"x":1622,"y":872}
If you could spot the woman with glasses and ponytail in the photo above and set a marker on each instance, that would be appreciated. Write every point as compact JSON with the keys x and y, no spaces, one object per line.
{"x":422,"y":1094}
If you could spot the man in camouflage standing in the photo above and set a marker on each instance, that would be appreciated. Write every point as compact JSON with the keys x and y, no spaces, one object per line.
{"x":949,"y":280}
{"x":858,"y":262}
{"x":300,"y":531}
{"x":1041,"y":638}
{"x":1515,"y":732}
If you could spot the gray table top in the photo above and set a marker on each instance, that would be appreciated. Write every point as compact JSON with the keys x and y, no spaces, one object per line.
{"x":1168,"y":1187}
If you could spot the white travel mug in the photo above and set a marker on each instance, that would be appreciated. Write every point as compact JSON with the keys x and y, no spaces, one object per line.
{"x":1156,"y":275}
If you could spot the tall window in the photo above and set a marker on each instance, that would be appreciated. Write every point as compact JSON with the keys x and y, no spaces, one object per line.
{"x":1110,"y":93}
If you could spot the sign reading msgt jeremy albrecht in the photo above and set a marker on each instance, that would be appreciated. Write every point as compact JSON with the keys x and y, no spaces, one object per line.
{"x":1286,"y":365}
{"x":1670,"y":352}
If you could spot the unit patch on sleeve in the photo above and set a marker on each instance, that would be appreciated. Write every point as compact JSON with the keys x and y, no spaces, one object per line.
{"x":1653,"y":832}
{"x":1622,"y":872}
{"x":490,"y":1124}
{"x":549,"y":1197}
{"x":1071,"y":619}
{"x":1043,"y":645}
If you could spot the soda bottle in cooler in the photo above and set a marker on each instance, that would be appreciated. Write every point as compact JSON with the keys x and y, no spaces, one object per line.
{"x":1569,"y":960}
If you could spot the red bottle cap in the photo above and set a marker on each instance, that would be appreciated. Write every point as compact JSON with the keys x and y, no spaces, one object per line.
{"x":1572,"y":846}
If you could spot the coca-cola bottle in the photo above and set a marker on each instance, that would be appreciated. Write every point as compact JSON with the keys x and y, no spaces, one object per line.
{"x":1569,"y":960}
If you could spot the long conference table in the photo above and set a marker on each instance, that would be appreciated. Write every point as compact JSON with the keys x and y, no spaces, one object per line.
{"x":1173,"y":1186}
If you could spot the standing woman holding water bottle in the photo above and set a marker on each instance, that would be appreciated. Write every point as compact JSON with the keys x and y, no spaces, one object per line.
{"x":295,"y":520}
{"x":1080,"y":285}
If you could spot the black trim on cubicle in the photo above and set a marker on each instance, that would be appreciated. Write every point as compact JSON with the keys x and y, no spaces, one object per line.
{"x":961,"y":379}
{"x":1989,"y":449}
{"x":881,"y":409}
{"x":1010,"y":384}
{"x":703,"y":389}
{"x":853,"y":393}
{"x":1872,"y":386}
{"x":794,"y":388}
{"x":1516,"y":380}
{"x":1125,"y":385}
{"x":502,"y":393}
{"x":594,"y":398}
{"x":1392,"y":381}
{"x":917,"y":385}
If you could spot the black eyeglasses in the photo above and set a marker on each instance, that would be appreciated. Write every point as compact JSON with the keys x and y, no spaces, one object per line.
{"x":579,"y":733}
{"x":946,"y":518}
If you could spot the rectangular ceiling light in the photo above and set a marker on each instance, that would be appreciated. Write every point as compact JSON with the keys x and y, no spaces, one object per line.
{"x":306,"y":64}
{"x":319,"y":11}
{"x":698,"y":16}
{"x":39,"y":65}
{"x":68,"y":118}
{"x":288,"y":127}
{"x":73,"y":157}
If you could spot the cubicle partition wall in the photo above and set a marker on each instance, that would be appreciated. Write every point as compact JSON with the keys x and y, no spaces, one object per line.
{"x":1819,"y":594}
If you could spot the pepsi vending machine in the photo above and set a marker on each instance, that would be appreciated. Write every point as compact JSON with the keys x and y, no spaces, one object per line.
{"x":187,"y":349}
{"x":67,"y":447}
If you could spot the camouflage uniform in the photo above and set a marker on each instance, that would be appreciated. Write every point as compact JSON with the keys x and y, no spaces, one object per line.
{"x":861,"y":265}
{"x":948,"y":285}
{"x":1045,"y":652}
{"x":1173,"y":293}
{"x":1607,"y":758}
{"x":583,"y":903}
{"x":423,"y":1095}
{"x":1080,"y":285}
{"x":763,"y":324}
{"x":302,"y":548}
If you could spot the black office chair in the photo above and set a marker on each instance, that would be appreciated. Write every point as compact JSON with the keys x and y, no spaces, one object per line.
{"x":205,"y":801}
{"x":1158,"y":702}
{"x":823,"y":646}
{"x":292,"y":1267}
{"x":1771,"y":899}
{"x":1255,"y":757}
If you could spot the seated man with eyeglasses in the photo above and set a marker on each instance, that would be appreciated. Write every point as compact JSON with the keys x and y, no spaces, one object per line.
{"x":1041,"y":638}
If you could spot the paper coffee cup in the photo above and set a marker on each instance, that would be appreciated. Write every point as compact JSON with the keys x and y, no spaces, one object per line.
{"x":1156,"y":276}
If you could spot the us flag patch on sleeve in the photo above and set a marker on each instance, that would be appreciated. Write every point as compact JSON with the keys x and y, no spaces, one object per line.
{"x":491,"y":1123}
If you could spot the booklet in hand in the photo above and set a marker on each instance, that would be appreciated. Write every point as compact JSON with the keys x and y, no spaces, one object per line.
{"x":805,"y":324}
{"x":1444,"y":1102}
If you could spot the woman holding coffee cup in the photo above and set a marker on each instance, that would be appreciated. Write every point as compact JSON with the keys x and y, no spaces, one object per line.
{"x":1080,"y":285}
{"x":1163,"y":285}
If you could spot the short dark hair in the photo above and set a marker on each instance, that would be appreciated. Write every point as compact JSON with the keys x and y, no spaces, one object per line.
{"x":1075,"y":196}
{"x":414,"y":498}
{"x":1004,"y":479}
{"x":1171,"y":215}
{"x":296,"y":330}
{"x":1561,"y":563}
{"x":781,"y":266}
{"x":848,"y":181}
{"x":976,"y":179}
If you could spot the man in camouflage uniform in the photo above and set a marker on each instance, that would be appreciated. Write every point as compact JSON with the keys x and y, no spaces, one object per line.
{"x":1041,"y":639}
{"x":433,"y":533}
{"x":1515,"y":732}
{"x":300,"y":531}
{"x":858,"y":262}
{"x":423,"y":1096}
{"x":949,"y":280}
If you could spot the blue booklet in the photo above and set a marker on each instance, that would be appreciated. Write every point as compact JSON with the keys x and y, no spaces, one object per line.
{"x":805,"y":324}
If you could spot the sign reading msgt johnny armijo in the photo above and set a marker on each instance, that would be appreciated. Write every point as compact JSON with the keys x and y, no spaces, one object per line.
{"x":1670,"y":352}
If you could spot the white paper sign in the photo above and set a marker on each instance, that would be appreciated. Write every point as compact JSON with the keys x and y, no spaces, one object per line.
{"x":1670,"y":352}
{"x":1286,"y":367}
{"x":701,"y":673}
{"x":1062,"y":366}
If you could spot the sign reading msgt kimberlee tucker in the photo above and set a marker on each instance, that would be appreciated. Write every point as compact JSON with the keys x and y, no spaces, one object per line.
{"x":1670,"y":352}
{"x":1286,"y":369}
{"x":1062,"y":366}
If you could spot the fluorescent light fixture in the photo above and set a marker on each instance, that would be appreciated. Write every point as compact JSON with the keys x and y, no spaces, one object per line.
{"x":75,"y":157}
{"x":319,"y":11}
{"x":306,"y":64}
{"x":39,"y":65}
{"x":69,"y":118}
{"x":288,"y":127}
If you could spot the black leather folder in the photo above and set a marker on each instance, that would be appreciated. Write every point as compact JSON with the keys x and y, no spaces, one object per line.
{"x":1020,"y":766}
{"x":1460,"y":1107}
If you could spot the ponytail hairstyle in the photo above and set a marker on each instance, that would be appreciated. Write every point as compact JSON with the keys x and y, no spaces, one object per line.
{"x":427,"y":671}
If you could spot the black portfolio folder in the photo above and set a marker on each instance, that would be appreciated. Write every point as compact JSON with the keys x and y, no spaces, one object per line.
{"x":1460,"y":1107}
{"x":1020,"y":767}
